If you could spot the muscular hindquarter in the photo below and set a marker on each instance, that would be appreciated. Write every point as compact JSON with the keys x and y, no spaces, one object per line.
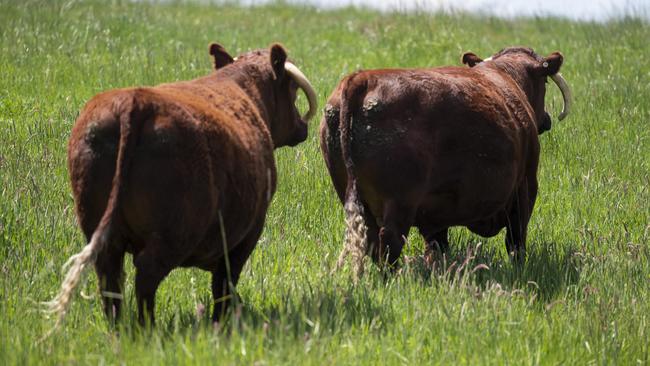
{"x":180,"y":180}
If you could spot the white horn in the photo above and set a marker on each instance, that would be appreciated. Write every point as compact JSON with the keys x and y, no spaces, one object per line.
{"x":304,"y":84}
{"x":566,"y":94}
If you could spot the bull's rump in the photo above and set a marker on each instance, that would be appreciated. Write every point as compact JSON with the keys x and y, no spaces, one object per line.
{"x":448,"y":145}
{"x":186,"y":169}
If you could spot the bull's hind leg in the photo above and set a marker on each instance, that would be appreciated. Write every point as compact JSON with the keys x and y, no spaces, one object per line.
{"x":109,"y":264}
{"x":110,"y":273}
{"x":152,"y":265}
{"x":226,"y":274}
{"x":372,"y":235}
{"x":517,"y":224}
{"x":91,"y":199}
{"x":396,"y":224}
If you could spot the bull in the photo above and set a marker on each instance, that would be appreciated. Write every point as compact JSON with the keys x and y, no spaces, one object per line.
{"x":181,"y":175}
{"x":439,"y":147}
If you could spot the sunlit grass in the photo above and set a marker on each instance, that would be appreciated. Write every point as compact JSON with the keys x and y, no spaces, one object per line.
{"x":581,"y":298}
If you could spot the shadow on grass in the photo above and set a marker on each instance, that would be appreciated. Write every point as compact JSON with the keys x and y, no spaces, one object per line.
{"x":326,"y":309}
{"x":323,"y":310}
{"x":330,"y":307}
{"x":549,"y":270}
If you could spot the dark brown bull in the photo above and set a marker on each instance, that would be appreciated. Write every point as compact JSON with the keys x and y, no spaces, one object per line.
{"x":439,"y":147}
{"x":181,"y":174}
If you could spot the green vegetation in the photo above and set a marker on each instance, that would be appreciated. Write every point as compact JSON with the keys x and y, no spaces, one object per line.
{"x":583,"y":297}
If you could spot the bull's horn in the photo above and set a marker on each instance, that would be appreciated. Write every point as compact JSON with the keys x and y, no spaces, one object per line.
{"x":566,"y":94}
{"x":304,"y":84}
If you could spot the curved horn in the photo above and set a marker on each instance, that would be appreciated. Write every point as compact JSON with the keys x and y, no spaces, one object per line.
{"x":304,"y":84}
{"x":566,"y":94}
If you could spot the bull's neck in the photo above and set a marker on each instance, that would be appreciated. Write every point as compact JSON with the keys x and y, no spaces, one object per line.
{"x":258,"y":93}
{"x":520,"y":76}
{"x":258,"y":88}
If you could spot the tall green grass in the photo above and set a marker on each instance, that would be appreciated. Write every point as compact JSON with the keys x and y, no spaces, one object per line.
{"x":582,"y":297}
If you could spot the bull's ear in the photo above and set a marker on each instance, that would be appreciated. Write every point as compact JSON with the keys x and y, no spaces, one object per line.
{"x":221,"y":57}
{"x":278,"y":58}
{"x":470,"y":59}
{"x":551,"y":65}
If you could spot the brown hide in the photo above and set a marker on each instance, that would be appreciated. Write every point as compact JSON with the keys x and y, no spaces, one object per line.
{"x":185,"y":164}
{"x":439,"y":147}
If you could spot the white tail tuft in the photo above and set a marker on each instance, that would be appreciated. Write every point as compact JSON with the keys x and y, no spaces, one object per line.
{"x":76,"y":266}
{"x":356,"y":240}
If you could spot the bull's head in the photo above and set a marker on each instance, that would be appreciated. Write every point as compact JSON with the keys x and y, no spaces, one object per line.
{"x":269,"y":76}
{"x":531,"y":72}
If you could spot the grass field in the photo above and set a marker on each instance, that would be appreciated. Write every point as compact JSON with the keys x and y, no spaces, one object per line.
{"x":583,"y":297}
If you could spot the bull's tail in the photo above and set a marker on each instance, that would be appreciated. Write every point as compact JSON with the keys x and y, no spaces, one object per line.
{"x":356,"y":241}
{"x":130,"y":117}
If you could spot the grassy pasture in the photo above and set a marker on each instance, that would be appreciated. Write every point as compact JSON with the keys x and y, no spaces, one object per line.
{"x":583,"y":297}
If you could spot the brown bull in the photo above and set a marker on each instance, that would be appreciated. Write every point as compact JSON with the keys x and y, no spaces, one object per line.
{"x":181,"y":174}
{"x":439,"y":147}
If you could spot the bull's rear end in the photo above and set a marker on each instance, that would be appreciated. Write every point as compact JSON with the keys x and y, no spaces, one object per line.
{"x":181,"y":174}
{"x":439,"y":147}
